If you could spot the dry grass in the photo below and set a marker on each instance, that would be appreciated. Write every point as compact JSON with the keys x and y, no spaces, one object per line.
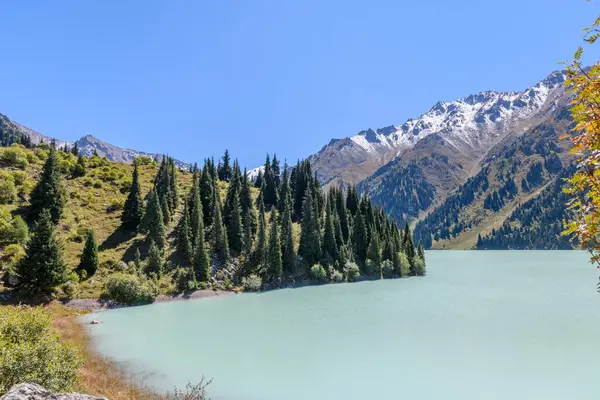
{"x":98,"y":375}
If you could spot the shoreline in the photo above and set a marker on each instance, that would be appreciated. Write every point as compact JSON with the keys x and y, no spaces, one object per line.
{"x":94,"y":305}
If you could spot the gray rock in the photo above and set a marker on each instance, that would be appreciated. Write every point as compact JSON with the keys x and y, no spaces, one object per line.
{"x":13,"y":280}
{"x":31,"y":391}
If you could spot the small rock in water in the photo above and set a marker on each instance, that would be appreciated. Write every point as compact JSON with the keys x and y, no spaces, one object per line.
{"x":95,"y":322}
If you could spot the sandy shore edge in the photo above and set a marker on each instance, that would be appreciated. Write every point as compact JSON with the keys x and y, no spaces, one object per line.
{"x":92,"y":305}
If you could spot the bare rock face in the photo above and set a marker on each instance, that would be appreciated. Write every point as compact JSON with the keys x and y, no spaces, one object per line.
{"x":30,"y":391}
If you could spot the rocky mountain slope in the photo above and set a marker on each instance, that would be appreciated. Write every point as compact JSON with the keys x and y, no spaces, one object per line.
{"x":11,"y":131}
{"x":465,"y":167}
{"x":467,"y":128}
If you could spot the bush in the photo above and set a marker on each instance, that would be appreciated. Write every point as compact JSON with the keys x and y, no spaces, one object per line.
{"x":351,"y":271}
{"x":419,"y":266}
{"x":19,"y":177}
{"x":252,"y":283}
{"x":317,"y":273}
{"x":12,"y":255}
{"x":15,"y":157}
{"x":404,"y":265}
{"x":371,"y":267}
{"x":12,"y":229}
{"x":116,"y":204}
{"x":69,"y":289}
{"x":31,"y":351}
{"x":185,"y":279}
{"x":335,"y":276}
{"x":8,"y":190}
{"x":387,"y":268}
{"x":130,"y":289}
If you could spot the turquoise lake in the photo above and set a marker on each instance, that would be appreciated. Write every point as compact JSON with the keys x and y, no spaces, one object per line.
{"x":481,"y":325}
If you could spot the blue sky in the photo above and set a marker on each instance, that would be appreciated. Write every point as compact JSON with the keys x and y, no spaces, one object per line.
{"x":191,"y":78}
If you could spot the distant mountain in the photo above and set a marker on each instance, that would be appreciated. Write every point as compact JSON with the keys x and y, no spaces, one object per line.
{"x":466,"y":167}
{"x":470,"y":126}
{"x":11,"y":131}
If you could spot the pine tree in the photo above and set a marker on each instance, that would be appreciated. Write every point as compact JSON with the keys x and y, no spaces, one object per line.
{"x":79,"y":169}
{"x":137,"y":259}
{"x":233,"y":191}
{"x":284,"y":188}
{"x":235,"y":228}
{"x":165,"y":210}
{"x":271,"y":193}
{"x":274,"y":261}
{"x":260,"y":249}
{"x":185,"y":251}
{"x":49,"y":192}
{"x":287,"y":238}
{"x":75,"y":149}
{"x":330,"y":249}
{"x":258,"y":182}
{"x":220,"y":243}
{"x":352,"y":200}
{"x":43,"y":268}
{"x":276,"y":170}
{"x":374,"y":250}
{"x":310,"y":237}
{"x":201,"y":262}
{"x":153,"y":221}
{"x":421,"y":251}
{"x":134,"y":206}
{"x":155,"y":260}
{"x":247,"y":205}
{"x":359,"y":238}
{"x":89,"y":256}
{"x":206,"y":194}
{"x":173,"y":187}
{"x":248,"y":238}
{"x":224,"y":171}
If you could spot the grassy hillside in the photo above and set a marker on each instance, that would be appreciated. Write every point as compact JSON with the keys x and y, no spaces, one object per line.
{"x":94,"y":201}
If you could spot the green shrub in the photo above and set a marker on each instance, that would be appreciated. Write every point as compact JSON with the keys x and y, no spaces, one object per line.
{"x":318,"y":273}
{"x":11,"y":255}
{"x":116,"y":204}
{"x":143,"y":160}
{"x":41,"y":152}
{"x":19,"y":177}
{"x":185,"y":279}
{"x":252,"y":283}
{"x":351,"y":271}
{"x":403,"y":265}
{"x":14,"y":157}
{"x":69,"y":289}
{"x":98,"y":184}
{"x":419,"y":266}
{"x":130,"y":289}
{"x":371,"y":267}
{"x":12,"y":229}
{"x":8,"y":190}
{"x":387,"y":268}
{"x":31,"y":351}
{"x":335,"y":276}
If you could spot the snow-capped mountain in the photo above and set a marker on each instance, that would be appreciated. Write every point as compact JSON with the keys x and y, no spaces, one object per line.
{"x":472,"y":124}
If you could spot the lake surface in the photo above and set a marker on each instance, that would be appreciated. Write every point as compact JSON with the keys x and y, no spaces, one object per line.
{"x":481,"y":325}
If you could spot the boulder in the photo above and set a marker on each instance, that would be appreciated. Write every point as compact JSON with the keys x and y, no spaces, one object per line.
{"x":31,"y":391}
{"x":13,"y":280}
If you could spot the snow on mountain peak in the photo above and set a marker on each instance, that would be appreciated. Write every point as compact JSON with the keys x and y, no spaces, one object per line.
{"x":488,"y":112}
